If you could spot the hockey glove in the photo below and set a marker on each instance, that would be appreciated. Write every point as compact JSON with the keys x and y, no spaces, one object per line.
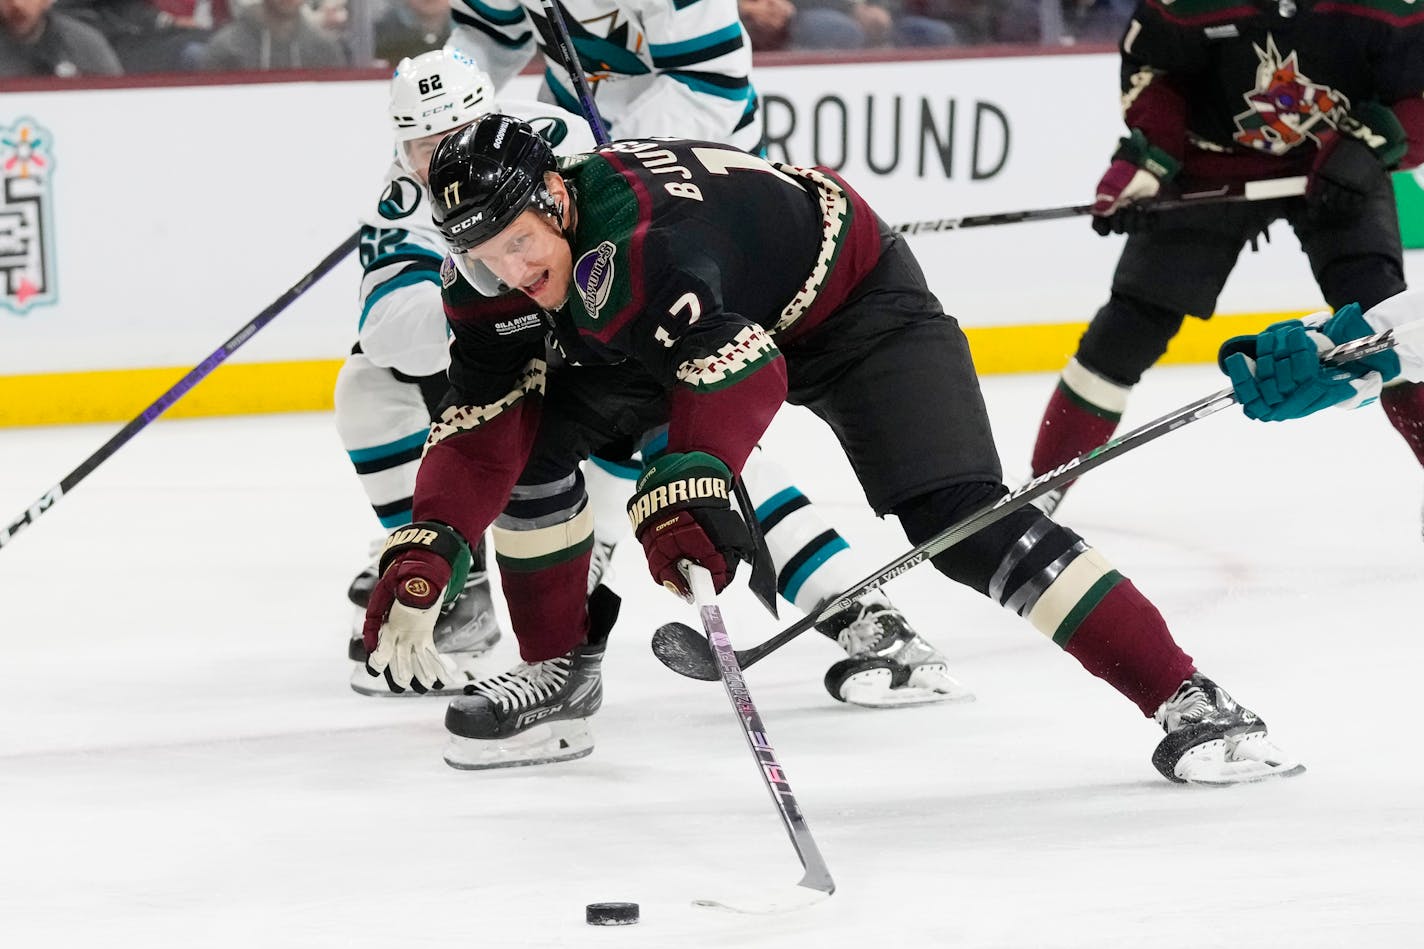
{"x":1278,"y":375}
{"x":682,"y":511}
{"x":1136,"y":174}
{"x":421,"y":567}
{"x":1353,"y":163}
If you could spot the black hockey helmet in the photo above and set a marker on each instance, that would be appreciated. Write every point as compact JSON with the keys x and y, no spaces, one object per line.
{"x":484,"y":176}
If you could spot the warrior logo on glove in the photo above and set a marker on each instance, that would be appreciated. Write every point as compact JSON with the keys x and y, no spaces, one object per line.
{"x":682,"y":511}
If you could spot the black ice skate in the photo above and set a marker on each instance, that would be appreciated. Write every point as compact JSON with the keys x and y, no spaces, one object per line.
{"x":537,"y":712}
{"x":466,"y":630}
{"x":890,"y":664}
{"x":1213,"y":740}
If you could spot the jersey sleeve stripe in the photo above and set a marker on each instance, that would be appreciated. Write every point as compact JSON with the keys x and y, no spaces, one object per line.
{"x":705,"y":84}
{"x":408,"y":278}
{"x":491,"y":14}
{"x":474,"y":23}
{"x":699,"y":48}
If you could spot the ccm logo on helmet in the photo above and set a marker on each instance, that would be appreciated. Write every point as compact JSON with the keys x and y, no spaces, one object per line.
{"x":468,"y":223}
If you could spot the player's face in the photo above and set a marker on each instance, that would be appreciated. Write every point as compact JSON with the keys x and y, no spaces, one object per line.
{"x":532,"y":256}
{"x":415,"y":154}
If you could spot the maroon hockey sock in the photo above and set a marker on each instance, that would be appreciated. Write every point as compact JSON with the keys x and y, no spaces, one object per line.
{"x":548,"y":608}
{"x":1124,"y":641}
{"x":1071,"y":425}
{"x":1404,"y":404}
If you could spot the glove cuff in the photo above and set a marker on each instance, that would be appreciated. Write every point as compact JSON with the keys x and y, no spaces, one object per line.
{"x":680,"y":481}
{"x":1377,"y":128}
{"x":432,"y":537}
{"x":1142,"y":153}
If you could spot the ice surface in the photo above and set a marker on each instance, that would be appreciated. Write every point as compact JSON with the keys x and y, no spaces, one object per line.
{"x":183,"y":764}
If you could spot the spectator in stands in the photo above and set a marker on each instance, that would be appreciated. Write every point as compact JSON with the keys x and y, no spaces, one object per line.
{"x":38,"y":41}
{"x":1096,"y":21}
{"x":153,"y":35}
{"x":839,"y":24}
{"x":273,"y":34}
{"x":412,"y":27}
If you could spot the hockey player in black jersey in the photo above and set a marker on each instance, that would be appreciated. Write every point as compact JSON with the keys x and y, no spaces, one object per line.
{"x":1222,"y":92}
{"x":696,"y":286}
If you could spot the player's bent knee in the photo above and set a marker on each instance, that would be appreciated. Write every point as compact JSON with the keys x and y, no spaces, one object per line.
{"x":1010,"y":560}
{"x":1126,"y":338}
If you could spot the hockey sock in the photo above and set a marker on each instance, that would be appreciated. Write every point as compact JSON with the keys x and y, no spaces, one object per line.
{"x":811,"y":558}
{"x":1404,"y":405}
{"x":1082,"y":413}
{"x":543,"y":566}
{"x":1049,"y":575}
{"x":610,"y":485}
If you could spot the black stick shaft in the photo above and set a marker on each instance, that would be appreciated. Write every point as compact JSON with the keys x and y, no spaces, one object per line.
{"x":817,"y":875}
{"x":1252,"y":191}
{"x":179,"y":389}
{"x":574,"y":67}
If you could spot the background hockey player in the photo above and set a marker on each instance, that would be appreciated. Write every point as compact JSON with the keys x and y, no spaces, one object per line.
{"x":684,"y":70}
{"x":697,"y":285}
{"x":1223,"y":93}
{"x":395,"y":376}
{"x":1278,"y":374}
{"x":656,"y":68}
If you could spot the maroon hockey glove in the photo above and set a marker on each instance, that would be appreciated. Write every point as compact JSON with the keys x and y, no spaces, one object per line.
{"x":1136,"y":175}
{"x":682,"y":511}
{"x":420,"y":566}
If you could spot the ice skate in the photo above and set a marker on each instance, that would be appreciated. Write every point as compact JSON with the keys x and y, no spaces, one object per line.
{"x":889,"y":664}
{"x":537,"y":712}
{"x":467,"y":629}
{"x":1212,"y":740}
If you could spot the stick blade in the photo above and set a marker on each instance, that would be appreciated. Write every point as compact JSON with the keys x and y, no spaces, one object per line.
{"x":685,"y":651}
{"x":769,"y":901}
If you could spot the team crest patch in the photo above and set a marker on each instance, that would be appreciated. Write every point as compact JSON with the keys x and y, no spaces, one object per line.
{"x":593,"y":276}
{"x":27,"y":265}
{"x":1286,"y":109}
{"x":448,"y":273}
{"x":400,"y":200}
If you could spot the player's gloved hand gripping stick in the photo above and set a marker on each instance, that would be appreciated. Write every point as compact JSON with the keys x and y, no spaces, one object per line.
{"x":685,"y":652}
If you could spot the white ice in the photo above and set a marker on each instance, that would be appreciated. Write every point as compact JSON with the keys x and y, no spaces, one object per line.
{"x":182,"y":763}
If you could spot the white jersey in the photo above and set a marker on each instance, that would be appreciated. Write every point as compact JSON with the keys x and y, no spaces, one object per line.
{"x":402,"y":323}
{"x":657,"y":67}
{"x":1400,"y":310}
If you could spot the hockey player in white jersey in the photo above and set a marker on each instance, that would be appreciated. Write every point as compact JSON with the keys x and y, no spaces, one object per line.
{"x":394,"y":377}
{"x":1278,"y":374}
{"x":656,"y":67}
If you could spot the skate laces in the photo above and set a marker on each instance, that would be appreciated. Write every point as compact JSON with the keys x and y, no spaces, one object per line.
{"x":866,"y":633}
{"x":598,"y":563}
{"x":528,"y":683}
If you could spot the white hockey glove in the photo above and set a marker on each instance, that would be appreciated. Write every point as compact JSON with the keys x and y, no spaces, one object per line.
{"x":420,"y":566}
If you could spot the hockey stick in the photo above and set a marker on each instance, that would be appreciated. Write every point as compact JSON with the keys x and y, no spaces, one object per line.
{"x":1252,"y":191}
{"x":179,"y":389}
{"x":816,"y":884}
{"x":683,"y":651}
{"x":574,"y":67}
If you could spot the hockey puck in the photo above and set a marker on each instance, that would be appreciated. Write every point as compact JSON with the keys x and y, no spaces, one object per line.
{"x":611,"y":914}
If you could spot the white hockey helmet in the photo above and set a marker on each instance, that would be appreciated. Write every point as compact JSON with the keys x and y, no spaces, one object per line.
{"x":432,"y":95}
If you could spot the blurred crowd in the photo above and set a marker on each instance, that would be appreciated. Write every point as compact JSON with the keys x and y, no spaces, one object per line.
{"x":112,"y":37}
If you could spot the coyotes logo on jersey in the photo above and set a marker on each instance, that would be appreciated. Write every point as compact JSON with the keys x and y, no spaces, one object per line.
{"x":1285,"y":107}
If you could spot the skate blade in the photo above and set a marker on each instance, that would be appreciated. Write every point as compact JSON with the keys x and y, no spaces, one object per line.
{"x":1224,"y":763}
{"x":768,"y":902}
{"x":872,"y":689}
{"x":542,"y":744}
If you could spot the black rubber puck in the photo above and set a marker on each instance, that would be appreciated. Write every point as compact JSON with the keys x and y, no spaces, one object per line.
{"x":611,"y":914}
